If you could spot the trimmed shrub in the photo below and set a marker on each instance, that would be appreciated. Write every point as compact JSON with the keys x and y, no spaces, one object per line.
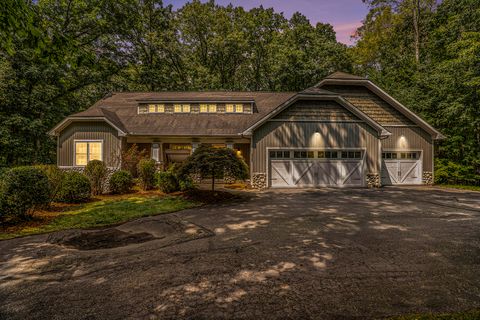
{"x":167,"y":182}
{"x":55,"y":178}
{"x":23,"y":190}
{"x":121,"y":182}
{"x":75,"y":188}
{"x":146,"y":173}
{"x":96,"y":172}
{"x":186,"y":183}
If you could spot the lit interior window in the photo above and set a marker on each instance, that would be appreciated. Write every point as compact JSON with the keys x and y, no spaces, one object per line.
{"x":180,"y":146}
{"x":203,"y":108}
{"x":212,"y":108}
{"x":177,"y":108}
{"x":94,"y":151}
{"x":152,"y":108}
{"x":160,"y":108}
{"x":86,"y":151}
{"x":239,"y":108}
{"x":186,"y":108}
{"x":81,"y":154}
{"x":229,"y":108}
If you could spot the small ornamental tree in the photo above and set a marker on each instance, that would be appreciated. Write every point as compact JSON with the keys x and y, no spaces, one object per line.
{"x":209,"y":161}
{"x":131,"y":157}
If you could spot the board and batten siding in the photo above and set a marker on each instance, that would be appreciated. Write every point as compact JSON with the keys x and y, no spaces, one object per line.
{"x":88,"y":131}
{"x":410,"y":138}
{"x":302,"y":134}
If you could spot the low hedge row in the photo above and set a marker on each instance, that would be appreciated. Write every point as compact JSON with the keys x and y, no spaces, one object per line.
{"x":26,"y":189}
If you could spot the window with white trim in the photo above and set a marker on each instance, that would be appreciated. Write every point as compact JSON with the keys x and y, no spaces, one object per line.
{"x":86,"y":151}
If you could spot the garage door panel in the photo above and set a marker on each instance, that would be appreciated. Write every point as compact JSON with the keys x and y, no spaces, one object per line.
{"x":280,"y":173}
{"x":351,"y":173}
{"x":328,"y":173}
{"x":303,"y":172}
{"x":409,"y":171}
{"x":316,"y":172}
{"x":401,"y":171}
{"x":390,"y":172}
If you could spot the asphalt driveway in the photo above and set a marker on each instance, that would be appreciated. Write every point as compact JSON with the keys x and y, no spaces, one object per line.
{"x":319,"y":254}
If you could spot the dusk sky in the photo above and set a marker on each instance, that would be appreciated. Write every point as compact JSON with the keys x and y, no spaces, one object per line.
{"x":344,"y":15}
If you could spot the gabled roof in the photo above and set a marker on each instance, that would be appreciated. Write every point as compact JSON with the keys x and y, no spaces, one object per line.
{"x":344,"y":76}
{"x":320,"y":95}
{"x":99,"y":114}
{"x":341,"y":78}
{"x":121,"y":110}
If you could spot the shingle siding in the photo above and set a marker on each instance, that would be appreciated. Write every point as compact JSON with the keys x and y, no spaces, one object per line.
{"x":316,"y":110}
{"x":370,"y":104}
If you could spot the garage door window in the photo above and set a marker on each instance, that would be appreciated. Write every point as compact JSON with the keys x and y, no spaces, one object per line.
{"x":400,"y":155}
{"x":328,"y":154}
{"x":280,"y":154}
{"x":351,"y":155}
{"x":303,"y":154}
{"x":408,"y":155}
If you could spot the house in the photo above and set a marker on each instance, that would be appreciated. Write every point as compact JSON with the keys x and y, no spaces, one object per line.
{"x":344,"y":131}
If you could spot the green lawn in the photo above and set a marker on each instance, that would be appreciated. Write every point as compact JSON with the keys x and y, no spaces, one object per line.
{"x":468,"y":315}
{"x":459,"y":186}
{"x":108,"y":211}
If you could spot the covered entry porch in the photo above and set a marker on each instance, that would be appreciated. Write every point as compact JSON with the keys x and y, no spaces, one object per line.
{"x":171,"y":150}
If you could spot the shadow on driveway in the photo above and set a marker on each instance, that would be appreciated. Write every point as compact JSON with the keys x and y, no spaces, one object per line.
{"x":312,"y":254}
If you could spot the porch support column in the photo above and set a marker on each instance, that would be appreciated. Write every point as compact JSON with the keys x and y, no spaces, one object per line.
{"x":194,"y":146}
{"x":156,"y":151}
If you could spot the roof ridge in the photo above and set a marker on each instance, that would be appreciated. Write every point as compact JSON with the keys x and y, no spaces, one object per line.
{"x":202,"y":91}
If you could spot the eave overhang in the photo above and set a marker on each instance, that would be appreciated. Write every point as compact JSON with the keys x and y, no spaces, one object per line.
{"x":67,"y":121}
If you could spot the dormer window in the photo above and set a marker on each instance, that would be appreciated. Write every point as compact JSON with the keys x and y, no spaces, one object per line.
{"x":181,"y":108}
{"x":234,"y":108}
{"x":151,"y":108}
{"x":208,"y":108}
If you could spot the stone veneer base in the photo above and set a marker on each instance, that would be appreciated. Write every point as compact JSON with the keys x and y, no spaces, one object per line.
{"x":373,"y":180}
{"x":427,"y":178}
{"x":259,"y":180}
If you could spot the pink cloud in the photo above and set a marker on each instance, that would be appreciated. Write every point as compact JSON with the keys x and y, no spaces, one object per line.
{"x":346,"y":30}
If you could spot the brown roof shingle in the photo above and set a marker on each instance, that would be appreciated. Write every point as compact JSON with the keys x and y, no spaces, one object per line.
{"x":121,"y":109}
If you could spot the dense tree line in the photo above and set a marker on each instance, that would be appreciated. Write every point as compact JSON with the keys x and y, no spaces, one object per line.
{"x":427,"y":54}
{"x":58,"y":57}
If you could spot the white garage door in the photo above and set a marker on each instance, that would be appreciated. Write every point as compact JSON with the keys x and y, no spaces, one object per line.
{"x":401,"y":168}
{"x":307,"y":168}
